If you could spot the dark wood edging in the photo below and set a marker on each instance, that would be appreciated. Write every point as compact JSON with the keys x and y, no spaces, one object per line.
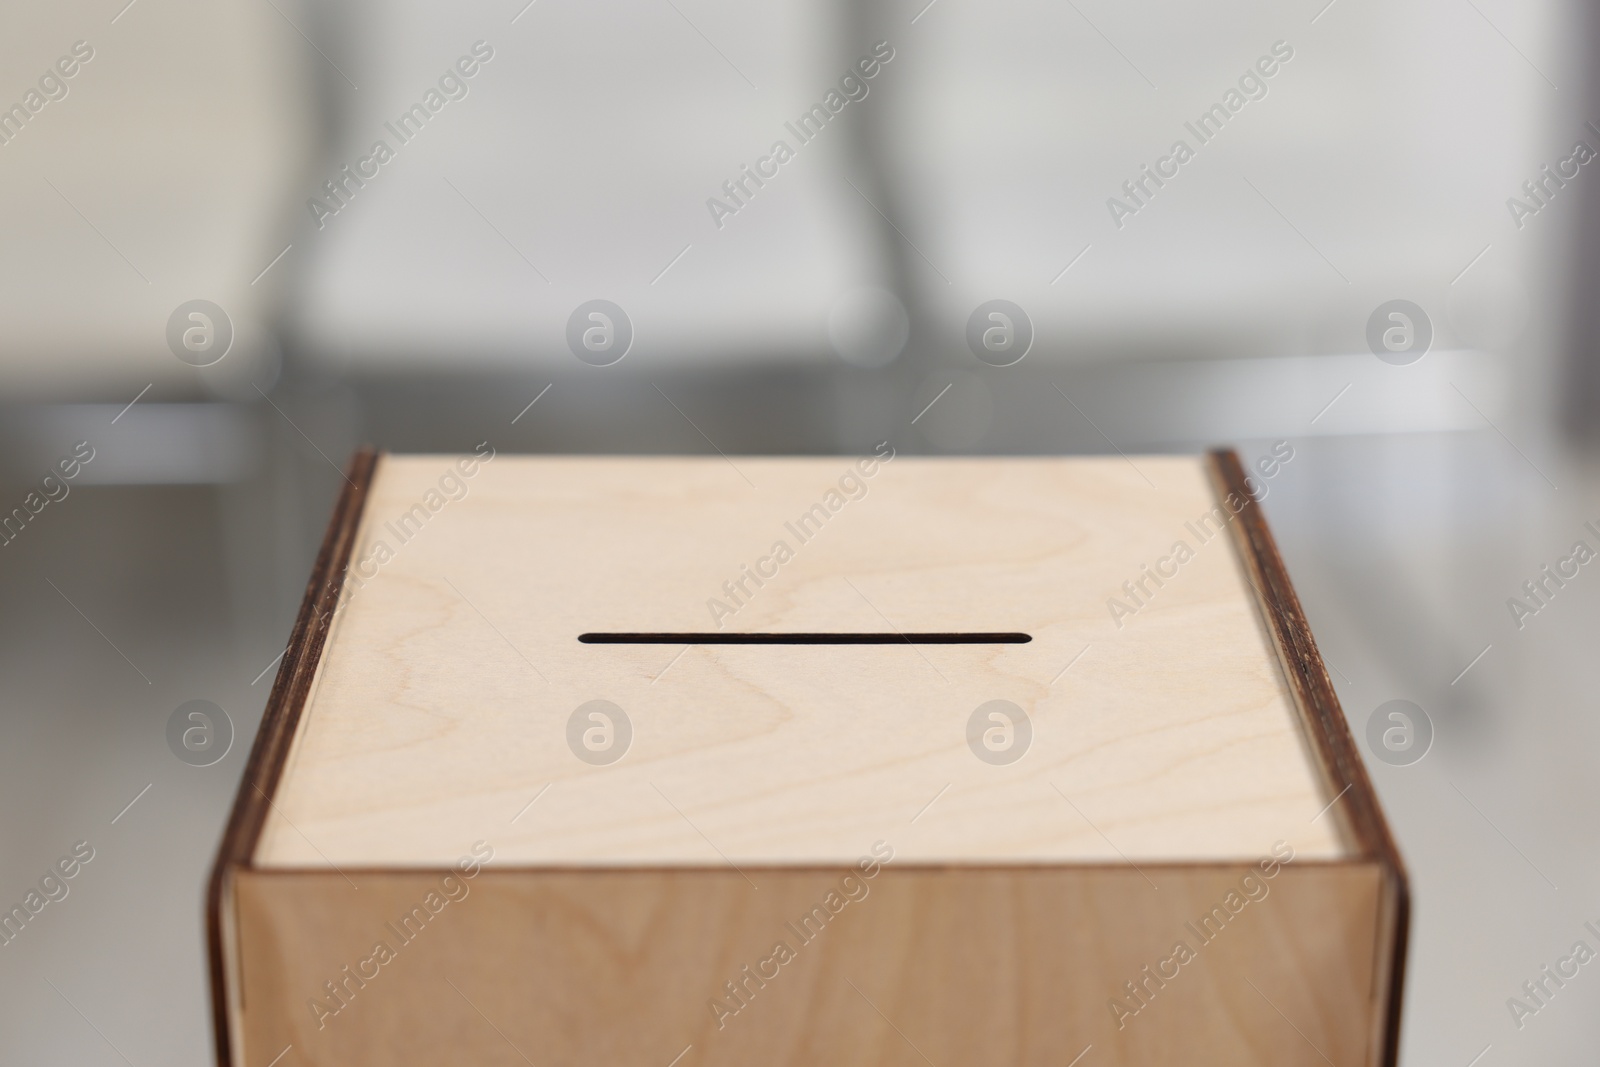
{"x":276,"y":732}
{"x":1317,"y":702}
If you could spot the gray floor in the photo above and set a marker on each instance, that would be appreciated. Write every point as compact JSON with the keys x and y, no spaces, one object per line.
{"x":120,"y":603}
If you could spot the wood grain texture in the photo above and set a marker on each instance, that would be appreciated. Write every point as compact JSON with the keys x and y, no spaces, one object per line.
{"x":945,"y":966}
{"x":440,"y":708}
{"x":425,"y":717}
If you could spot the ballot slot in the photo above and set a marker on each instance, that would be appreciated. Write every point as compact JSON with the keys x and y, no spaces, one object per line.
{"x":809,"y":638}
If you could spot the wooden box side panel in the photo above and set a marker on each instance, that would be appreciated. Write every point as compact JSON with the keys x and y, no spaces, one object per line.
{"x":953,"y":966}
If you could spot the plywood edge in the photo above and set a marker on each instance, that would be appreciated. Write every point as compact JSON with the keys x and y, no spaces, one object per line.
{"x":1325,"y":724}
{"x":264,"y":767}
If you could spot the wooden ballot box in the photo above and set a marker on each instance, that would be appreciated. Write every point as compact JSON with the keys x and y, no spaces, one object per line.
{"x":857,"y":760}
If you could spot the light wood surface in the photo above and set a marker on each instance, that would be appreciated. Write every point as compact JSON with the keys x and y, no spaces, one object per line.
{"x":952,"y":967}
{"x":440,"y":708}
{"x":698,"y":902}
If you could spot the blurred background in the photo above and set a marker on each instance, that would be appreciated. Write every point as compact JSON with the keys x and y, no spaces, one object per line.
{"x":542,"y":155}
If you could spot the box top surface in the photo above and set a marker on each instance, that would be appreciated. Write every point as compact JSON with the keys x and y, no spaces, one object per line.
{"x":453,"y":700}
